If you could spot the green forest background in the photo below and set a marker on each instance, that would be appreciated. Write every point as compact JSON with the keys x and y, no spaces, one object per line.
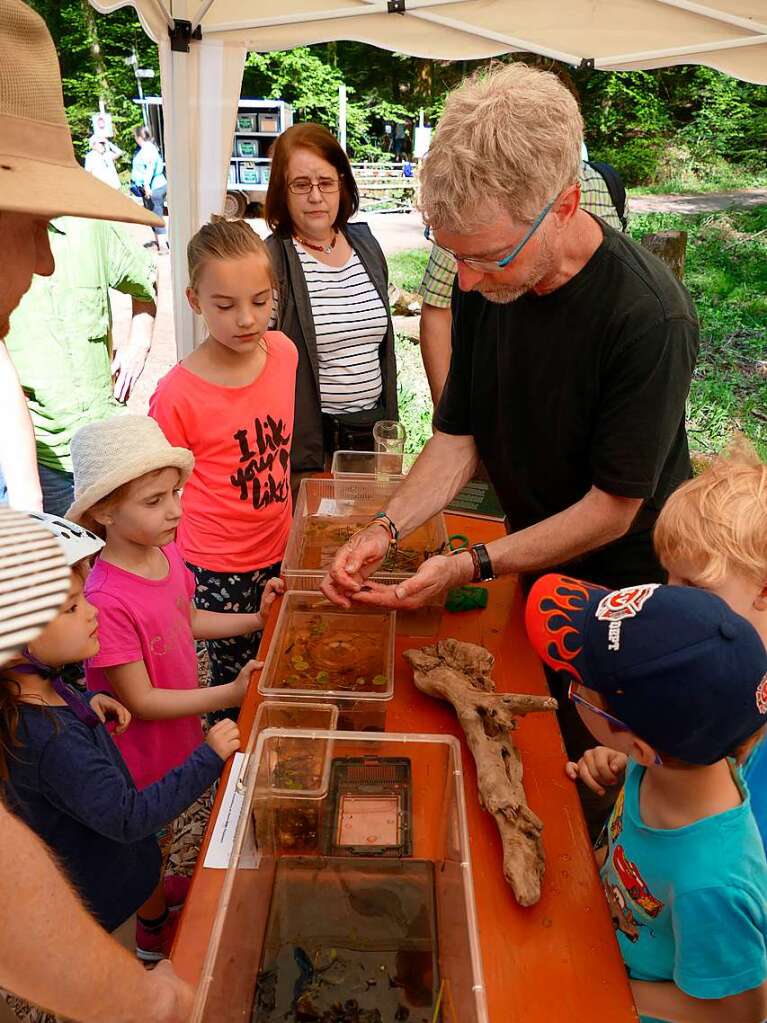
{"x":674,"y":129}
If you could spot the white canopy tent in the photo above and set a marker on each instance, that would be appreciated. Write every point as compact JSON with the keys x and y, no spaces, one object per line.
{"x":203,"y":45}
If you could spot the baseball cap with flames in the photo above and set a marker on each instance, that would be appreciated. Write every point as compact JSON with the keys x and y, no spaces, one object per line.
{"x":674,"y":663}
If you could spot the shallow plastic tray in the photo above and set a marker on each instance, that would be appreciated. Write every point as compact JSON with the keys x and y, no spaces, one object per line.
{"x":361,"y":709}
{"x":353,"y":502}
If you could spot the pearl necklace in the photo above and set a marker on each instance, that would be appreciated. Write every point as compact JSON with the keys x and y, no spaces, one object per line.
{"x":327,"y":249}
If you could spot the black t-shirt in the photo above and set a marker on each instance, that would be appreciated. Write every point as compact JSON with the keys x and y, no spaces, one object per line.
{"x":584,"y":386}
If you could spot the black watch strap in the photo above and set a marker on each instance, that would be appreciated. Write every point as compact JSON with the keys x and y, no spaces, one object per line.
{"x":483,"y":566}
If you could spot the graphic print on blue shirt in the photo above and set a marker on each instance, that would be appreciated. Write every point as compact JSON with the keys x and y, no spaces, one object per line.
{"x":688,"y":903}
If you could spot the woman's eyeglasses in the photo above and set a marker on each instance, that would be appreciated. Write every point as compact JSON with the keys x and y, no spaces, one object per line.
{"x":303,"y":186}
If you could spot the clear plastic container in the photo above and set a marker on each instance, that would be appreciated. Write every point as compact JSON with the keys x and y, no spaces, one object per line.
{"x":300,"y":929}
{"x":322,"y":652}
{"x":283,"y":714}
{"x":355,"y":464}
{"x":328,"y":512}
{"x":286,"y":714}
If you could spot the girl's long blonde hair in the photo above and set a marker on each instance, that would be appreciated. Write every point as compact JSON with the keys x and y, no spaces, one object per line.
{"x":224,"y":239}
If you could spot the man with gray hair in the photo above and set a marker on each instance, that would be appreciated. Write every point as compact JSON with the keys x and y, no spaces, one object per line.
{"x":573,"y":350}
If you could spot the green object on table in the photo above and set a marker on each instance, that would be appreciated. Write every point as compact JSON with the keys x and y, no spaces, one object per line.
{"x":458,"y":542}
{"x":467,"y":598}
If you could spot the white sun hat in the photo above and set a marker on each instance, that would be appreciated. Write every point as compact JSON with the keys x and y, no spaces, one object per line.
{"x":38,"y":170}
{"x":34,"y":580}
{"x":111,"y":452}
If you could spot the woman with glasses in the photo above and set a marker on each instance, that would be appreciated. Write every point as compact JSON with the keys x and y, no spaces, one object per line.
{"x":333,"y":298}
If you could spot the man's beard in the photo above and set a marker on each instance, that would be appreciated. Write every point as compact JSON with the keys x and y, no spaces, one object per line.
{"x":539,"y":270}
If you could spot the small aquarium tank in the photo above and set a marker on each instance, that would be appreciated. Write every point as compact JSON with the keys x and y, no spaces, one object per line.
{"x":326,"y":516}
{"x":323,"y":652}
{"x":368,"y":915}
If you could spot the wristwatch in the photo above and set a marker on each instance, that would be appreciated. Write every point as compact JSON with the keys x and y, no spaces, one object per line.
{"x":483,"y":566}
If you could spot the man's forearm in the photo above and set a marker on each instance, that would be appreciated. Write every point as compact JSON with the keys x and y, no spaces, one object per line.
{"x":18,"y":451}
{"x":141,"y":330}
{"x":597,"y":519}
{"x":668,"y":1002}
{"x":43,"y":920}
{"x":446,"y":463}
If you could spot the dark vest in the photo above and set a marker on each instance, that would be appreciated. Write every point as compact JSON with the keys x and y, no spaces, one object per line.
{"x":295,"y":320}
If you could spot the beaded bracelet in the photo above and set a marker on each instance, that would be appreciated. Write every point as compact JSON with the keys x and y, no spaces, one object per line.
{"x":382,"y":519}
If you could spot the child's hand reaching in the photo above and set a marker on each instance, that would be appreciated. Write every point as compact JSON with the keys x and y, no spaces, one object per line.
{"x":241,"y":683}
{"x":273,"y":589}
{"x":224,"y":738}
{"x":598,"y":768}
{"x":105,"y":708}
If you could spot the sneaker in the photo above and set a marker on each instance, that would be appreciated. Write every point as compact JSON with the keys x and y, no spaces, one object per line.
{"x":176,"y":888}
{"x":154,"y":945}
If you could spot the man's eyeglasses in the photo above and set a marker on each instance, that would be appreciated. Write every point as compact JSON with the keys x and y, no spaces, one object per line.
{"x":303,"y":186}
{"x":490,"y":266}
{"x":573,"y":694}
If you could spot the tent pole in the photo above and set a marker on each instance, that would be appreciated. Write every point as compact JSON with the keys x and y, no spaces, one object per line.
{"x":373,"y":7}
{"x":721,"y":16}
{"x":165,"y":14}
{"x":201,"y":12}
{"x":514,"y":43}
{"x":617,"y":62}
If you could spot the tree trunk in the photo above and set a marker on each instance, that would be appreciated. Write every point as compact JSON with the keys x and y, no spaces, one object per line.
{"x":671,"y":247}
{"x":91,"y":28}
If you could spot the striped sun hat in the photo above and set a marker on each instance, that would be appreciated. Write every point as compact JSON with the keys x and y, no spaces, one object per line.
{"x":34,"y":580}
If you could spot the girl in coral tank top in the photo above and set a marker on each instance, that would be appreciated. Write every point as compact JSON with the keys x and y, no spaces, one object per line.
{"x":231,"y":403}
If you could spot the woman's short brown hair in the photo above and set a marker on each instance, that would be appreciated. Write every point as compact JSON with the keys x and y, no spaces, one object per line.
{"x":319,"y":140}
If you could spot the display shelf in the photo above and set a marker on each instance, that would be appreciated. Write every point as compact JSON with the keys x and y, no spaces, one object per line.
{"x":259,"y":134}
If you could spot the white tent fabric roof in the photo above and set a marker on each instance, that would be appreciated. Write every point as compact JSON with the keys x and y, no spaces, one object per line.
{"x":730,"y":35}
{"x":201,"y":85}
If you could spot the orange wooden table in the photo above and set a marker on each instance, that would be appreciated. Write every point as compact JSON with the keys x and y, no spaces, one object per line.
{"x":557,"y":962}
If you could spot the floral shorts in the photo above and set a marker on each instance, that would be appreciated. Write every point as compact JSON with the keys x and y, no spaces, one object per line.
{"x":230,"y":593}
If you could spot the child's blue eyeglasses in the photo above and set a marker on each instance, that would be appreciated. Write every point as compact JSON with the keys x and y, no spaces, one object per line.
{"x":494,"y":265}
{"x":618,"y":725}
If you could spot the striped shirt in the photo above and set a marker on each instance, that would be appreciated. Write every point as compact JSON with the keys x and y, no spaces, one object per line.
{"x":350,"y":323}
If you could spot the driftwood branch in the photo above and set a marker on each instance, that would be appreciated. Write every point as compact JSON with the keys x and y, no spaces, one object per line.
{"x":461,"y":674}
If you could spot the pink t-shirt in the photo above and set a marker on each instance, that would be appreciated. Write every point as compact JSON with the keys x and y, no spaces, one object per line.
{"x":236,"y":504}
{"x":147,"y":620}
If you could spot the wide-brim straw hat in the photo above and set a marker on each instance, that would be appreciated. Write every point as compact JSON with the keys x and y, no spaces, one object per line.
{"x":34,"y":580}
{"x":112,"y":452}
{"x":38,"y":170}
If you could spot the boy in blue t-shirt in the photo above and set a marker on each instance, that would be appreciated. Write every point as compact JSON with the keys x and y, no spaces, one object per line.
{"x":672,"y":679}
{"x":712,"y":533}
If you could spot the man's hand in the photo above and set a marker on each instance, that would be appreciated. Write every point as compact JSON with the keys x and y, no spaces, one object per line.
{"x":435,"y":575}
{"x":104,"y":707}
{"x":352,"y":565}
{"x":127,"y":366}
{"x":170,"y":997}
{"x":598,"y":768}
